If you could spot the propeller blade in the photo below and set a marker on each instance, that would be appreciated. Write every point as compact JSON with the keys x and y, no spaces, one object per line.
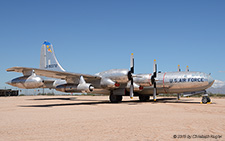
{"x":154,"y":72}
{"x":155,"y":69}
{"x":132,"y":63}
{"x":154,"y":80}
{"x":154,"y":66}
{"x":155,"y":92}
{"x":178,"y":68}
{"x":131,"y":89}
{"x":187,"y":68}
{"x":130,"y":76}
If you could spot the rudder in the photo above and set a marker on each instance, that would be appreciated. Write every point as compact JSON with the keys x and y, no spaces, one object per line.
{"x":48,"y":59}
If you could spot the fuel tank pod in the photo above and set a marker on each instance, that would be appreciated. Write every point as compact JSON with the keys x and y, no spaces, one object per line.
{"x":27,"y":82}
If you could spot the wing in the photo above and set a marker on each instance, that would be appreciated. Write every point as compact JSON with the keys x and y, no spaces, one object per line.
{"x":69,"y":77}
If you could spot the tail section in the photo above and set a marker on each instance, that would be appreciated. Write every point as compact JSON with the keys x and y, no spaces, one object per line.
{"x":48,"y":60}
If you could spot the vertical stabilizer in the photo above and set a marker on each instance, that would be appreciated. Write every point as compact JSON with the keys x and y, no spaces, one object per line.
{"x":48,"y":60}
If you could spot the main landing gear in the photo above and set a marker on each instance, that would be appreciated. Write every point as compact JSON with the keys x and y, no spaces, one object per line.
{"x":144,"y":98}
{"x":115,"y":98}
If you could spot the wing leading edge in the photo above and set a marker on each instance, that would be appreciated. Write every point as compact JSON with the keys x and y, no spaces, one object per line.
{"x":69,"y":77}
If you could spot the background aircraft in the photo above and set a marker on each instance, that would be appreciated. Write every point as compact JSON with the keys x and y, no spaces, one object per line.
{"x":116,"y":82}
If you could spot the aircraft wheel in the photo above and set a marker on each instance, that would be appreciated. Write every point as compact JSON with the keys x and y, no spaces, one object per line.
{"x":144,"y":98}
{"x":115,"y":98}
{"x":119,"y":97}
{"x":208,"y":99}
{"x":204,"y":99}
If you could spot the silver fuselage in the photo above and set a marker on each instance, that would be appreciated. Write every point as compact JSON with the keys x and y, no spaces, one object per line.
{"x":167,"y":83}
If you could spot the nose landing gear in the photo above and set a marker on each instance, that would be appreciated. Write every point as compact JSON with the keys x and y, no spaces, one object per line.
{"x":206,"y":99}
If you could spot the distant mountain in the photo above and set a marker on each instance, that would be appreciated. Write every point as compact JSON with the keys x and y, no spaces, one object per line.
{"x":217,"y":88}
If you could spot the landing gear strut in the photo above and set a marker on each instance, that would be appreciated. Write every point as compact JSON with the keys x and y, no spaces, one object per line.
{"x":178,"y":96}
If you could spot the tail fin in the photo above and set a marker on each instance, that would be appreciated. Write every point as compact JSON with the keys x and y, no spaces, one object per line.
{"x":48,"y":60}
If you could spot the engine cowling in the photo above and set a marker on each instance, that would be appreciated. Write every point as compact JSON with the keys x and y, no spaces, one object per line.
{"x":136,"y":86}
{"x":81,"y":87}
{"x":85,"y":87}
{"x":27,"y":82}
{"x":75,"y":88}
{"x":108,"y":83}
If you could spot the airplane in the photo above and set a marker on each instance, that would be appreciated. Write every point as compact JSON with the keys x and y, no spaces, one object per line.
{"x":115,"y":82}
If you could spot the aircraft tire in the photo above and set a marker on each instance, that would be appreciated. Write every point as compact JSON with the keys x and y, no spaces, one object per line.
{"x":204,"y":99}
{"x":120,"y":97}
{"x":143,"y":98}
{"x":115,"y":98}
{"x":208,"y":99}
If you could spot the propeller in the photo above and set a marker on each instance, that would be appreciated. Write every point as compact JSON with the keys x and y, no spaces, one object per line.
{"x":187,"y":68}
{"x":178,"y":69}
{"x":153,"y":79}
{"x":130,"y":76}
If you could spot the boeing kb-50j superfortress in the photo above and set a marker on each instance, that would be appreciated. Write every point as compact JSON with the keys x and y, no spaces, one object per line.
{"x":116,"y":82}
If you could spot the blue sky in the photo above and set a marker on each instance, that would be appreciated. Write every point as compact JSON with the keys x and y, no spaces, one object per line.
{"x":92,"y":36}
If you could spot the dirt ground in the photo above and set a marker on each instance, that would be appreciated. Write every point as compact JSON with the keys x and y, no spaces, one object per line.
{"x":94,"y":118}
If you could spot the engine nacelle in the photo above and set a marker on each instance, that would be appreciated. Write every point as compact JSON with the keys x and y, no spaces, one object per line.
{"x":136,"y":87}
{"x":86,"y":87}
{"x":27,"y":82}
{"x":108,"y":83}
{"x":75,"y":88}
